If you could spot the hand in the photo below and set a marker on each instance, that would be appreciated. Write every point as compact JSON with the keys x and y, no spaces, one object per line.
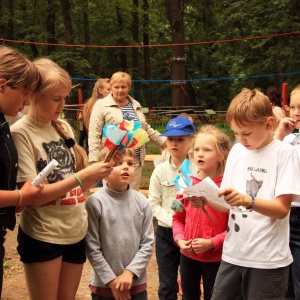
{"x":117,"y":158}
{"x":285,"y":127}
{"x":197,"y":202}
{"x":95,"y":172}
{"x":124,"y":281}
{"x":234,"y":198}
{"x":119,"y":295}
{"x":202,"y":245}
{"x":185,"y":246}
{"x":30,"y":193}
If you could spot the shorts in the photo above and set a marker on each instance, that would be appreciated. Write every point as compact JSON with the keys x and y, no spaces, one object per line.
{"x":238,"y":283}
{"x":32,"y":250}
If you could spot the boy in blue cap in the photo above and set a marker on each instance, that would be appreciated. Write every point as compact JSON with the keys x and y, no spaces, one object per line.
{"x":162,"y":192}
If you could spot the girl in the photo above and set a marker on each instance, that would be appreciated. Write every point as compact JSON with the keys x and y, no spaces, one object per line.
{"x":199,"y":238}
{"x":18,"y":79}
{"x":51,"y":232}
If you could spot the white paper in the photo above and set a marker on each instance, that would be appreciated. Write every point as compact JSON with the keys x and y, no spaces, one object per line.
{"x":208,"y":189}
{"x":45,"y":172}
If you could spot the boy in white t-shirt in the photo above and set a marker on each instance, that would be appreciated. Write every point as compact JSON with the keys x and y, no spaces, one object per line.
{"x":261,"y":175}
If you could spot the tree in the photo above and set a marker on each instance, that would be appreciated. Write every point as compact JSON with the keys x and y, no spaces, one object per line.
{"x":175,"y":9}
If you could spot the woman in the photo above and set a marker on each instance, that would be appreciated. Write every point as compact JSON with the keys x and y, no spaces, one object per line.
{"x":51,"y":233}
{"x":100,"y":91}
{"x":18,"y":79}
{"x":115,"y":108}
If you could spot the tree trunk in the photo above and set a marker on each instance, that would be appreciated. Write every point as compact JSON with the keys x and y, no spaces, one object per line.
{"x":51,"y":26}
{"x":175,"y":17}
{"x":69,"y":35}
{"x":123,"y":56}
{"x":146,"y":41}
{"x":10,"y":20}
{"x":135,"y":51}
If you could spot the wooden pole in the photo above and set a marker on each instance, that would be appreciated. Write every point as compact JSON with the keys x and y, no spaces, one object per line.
{"x":284,"y":94}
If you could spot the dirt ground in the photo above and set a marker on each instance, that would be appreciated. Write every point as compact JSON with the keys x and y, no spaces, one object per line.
{"x":14,"y":287}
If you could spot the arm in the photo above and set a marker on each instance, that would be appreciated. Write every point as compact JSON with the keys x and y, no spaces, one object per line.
{"x":178,"y":225}
{"x":156,"y":198}
{"x":278,"y":208}
{"x":142,"y":257}
{"x":285,"y":127}
{"x":93,"y":243}
{"x":88,"y":176}
{"x":95,"y":131}
{"x":29,"y":194}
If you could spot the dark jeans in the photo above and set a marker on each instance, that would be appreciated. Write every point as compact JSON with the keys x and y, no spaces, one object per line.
{"x":2,"y":254}
{"x":191,"y":284}
{"x":294,"y":278}
{"x":138,"y":296}
{"x":168,"y":260}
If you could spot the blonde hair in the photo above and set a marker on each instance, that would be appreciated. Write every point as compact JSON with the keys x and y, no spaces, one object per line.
{"x":18,"y":70}
{"x":53,"y":76}
{"x":121,"y":76}
{"x":249,"y":106}
{"x":296,"y":90}
{"x":223,"y":143}
{"x":88,"y":106}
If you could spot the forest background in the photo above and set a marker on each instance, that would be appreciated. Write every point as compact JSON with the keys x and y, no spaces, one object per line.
{"x":192,"y":52}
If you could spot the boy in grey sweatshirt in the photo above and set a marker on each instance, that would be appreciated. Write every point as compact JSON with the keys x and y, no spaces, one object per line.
{"x":120,"y":236}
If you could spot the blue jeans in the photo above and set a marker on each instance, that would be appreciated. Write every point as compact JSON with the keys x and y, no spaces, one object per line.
{"x":168,"y":261}
{"x":294,"y":280}
{"x":139,"y":296}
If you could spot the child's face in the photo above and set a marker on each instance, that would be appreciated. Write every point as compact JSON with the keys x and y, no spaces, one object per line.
{"x":295,"y":109}
{"x":178,"y":146}
{"x":206,"y":154}
{"x":49,"y":107}
{"x":253,"y":135}
{"x":121,"y":174}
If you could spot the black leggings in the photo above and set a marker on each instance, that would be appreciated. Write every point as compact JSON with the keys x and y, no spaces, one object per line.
{"x":191,"y":272}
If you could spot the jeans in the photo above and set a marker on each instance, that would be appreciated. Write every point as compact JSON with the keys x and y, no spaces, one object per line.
{"x":294,"y":280}
{"x":2,"y":254}
{"x":138,"y":296}
{"x":168,"y":260}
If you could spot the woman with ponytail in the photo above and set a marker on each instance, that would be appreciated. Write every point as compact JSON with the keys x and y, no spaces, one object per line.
{"x":51,"y":233}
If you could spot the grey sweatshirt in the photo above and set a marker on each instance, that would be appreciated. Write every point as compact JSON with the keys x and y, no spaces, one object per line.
{"x":120,"y":235}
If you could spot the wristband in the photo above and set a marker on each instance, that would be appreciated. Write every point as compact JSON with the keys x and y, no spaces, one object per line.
{"x":20,"y":198}
{"x":249,"y":208}
{"x":78,"y":179}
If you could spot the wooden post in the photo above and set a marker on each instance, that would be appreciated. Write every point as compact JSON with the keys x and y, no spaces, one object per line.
{"x":79,"y":92}
{"x":284,"y":94}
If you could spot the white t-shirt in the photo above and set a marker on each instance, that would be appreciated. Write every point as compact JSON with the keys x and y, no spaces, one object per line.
{"x":254,"y":240}
{"x":63,"y":220}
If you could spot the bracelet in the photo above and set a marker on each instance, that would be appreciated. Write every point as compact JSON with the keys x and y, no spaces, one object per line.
{"x":20,"y":198}
{"x":249,"y":208}
{"x":78,"y":179}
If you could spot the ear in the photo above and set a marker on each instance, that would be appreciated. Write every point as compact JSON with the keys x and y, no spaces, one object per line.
{"x":2,"y":84}
{"x":270,"y":123}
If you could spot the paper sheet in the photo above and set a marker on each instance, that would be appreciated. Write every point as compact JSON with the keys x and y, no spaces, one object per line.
{"x":208,"y":189}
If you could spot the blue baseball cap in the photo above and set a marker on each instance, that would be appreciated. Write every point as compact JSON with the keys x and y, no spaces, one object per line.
{"x":179,"y":126}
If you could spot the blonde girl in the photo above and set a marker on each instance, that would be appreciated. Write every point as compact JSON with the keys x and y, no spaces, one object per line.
{"x":51,"y":237}
{"x":199,"y":237}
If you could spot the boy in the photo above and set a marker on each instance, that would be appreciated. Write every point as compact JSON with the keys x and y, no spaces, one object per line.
{"x":162,"y":192}
{"x":261,"y":175}
{"x":120,"y":236}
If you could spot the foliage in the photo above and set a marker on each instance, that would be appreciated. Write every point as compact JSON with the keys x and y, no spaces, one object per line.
{"x":211,"y":67}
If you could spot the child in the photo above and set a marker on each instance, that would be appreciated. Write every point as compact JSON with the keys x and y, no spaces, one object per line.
{"x":51,"y":233}
{"x":162,"y":192}
{"x":199,"y":238}
{"x":261,"y":175}
{"x":120,"y":236}
{"x":19,"y":78}
{"x":286,"y":126}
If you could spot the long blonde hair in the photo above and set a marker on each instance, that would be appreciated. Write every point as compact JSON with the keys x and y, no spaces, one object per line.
{"x":87,"y":109}
{"x":53,"y":76}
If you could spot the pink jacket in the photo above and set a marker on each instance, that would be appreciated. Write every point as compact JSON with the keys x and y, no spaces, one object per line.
{"x":192,"y":223}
